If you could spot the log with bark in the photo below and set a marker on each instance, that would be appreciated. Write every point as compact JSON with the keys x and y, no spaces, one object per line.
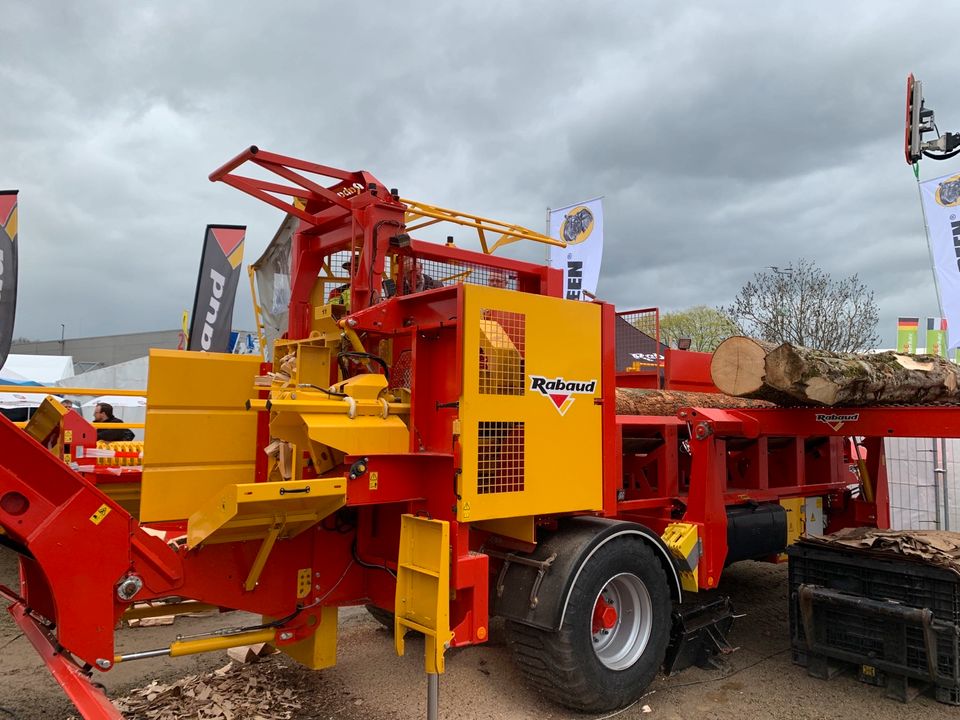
{"x":668,"y":402}
{"x":737,"y":369}
{"x":792,"y":374}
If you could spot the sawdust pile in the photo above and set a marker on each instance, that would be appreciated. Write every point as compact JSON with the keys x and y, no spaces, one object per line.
{"x":234,"y":692}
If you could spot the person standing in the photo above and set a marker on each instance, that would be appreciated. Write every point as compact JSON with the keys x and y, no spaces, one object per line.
{"x":103,"y":413}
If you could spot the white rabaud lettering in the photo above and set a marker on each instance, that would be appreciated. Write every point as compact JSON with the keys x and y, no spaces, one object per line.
{"x":206,"y":337}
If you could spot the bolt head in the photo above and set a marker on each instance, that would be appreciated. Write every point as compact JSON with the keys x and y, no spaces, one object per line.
{"x":286,"y":636}
{"x":129,"y":586}
{"x":104,"y":664}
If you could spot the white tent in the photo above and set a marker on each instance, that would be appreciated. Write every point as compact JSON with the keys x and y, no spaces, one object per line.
{"x":11,"y":400}
{"x":117,"y":401}
{"x":130,"y":375}
{"x":43,"y":369}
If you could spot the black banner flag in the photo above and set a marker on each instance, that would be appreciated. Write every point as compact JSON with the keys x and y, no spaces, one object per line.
{"x":212,"y":317}
{"x":8,"y":269}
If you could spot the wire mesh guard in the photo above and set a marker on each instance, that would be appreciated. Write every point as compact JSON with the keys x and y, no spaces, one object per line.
{"x":439,"y":273}
{"x":418,"y":274}
{"x":500,"y":457}
{"x":502,"y":351}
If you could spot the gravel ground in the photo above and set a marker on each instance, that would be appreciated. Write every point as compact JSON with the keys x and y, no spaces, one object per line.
{"x":757,"y":682}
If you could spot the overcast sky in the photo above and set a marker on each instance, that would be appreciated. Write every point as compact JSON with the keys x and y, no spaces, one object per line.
{"x":725,"y":137}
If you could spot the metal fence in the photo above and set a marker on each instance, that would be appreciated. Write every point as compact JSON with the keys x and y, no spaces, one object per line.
{"x":924,"y":480}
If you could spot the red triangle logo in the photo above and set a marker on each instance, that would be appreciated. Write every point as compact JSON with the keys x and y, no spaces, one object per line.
{"x":558,"y":400}
{"x":228,"y":238}
{"x":7,"y":202}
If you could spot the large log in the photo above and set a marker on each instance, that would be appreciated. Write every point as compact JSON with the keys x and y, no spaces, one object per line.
{"x":737,"y":368}
{"x":794,"y":375}
{"x":668,"y":402}
{"x":854,"y":380}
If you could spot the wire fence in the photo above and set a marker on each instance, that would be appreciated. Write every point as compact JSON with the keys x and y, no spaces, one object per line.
{"x":923,"y":476}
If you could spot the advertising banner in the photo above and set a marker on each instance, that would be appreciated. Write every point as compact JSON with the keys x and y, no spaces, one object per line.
{"x":941,"y":208}
{"x":8,"y":269}
{"x":907,"y":334}
{"x":581,"y":226}
{"x":937,"y":337}
{"x":212,"y":318}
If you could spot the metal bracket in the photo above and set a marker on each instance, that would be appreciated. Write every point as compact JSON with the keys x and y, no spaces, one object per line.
{"x":542,"y":567}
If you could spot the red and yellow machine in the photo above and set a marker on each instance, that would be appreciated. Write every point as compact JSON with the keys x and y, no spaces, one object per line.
{"x":444,"y":448}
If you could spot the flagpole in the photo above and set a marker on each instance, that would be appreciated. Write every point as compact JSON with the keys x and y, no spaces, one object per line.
{"x":926,"y":232}
{"x":547,"y":233}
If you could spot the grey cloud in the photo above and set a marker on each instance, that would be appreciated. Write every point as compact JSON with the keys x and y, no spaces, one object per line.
{"x":724,"y":137}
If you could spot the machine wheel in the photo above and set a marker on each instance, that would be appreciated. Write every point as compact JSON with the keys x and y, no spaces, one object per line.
{"x":614,"y":634}
{"x":384,"y":617}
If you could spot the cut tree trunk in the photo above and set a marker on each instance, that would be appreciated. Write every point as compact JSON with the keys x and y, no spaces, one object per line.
{"x":825,"y":378}
{"x":737,"y":368}
{"x":668,"y":402}
{"x":794,"y":375}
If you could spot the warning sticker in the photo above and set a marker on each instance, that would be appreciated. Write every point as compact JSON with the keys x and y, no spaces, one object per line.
{"x":100,"y":514}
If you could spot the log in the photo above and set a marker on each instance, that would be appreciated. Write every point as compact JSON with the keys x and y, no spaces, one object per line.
{"x":795,"y":375}
{"x":668,"y":402}
{"x":819,"y":377}
{"x":737,"y":368}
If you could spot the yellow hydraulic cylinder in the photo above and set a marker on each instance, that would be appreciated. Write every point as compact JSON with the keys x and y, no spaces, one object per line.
{"x":202,"y":645}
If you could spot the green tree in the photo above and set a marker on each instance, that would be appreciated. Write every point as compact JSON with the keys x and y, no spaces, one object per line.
{"x":704,"y":326}
{"x":804,"y":305}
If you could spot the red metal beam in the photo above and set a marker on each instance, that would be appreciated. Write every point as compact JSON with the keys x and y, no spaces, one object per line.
{"x":926,"y":421}
{"x":89,"y":700}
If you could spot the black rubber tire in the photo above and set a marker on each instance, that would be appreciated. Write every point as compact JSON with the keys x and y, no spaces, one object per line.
{"x":384,"y":617}
{"x":563,"y":666}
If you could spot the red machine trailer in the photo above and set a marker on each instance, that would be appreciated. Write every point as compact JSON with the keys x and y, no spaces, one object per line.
{"x":439,"y":451}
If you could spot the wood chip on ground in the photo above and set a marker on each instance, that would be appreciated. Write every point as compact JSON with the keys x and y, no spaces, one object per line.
{"x":232,"y":692}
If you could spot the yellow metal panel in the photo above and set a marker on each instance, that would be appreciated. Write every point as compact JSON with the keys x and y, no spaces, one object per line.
{"x":364,"y":435}
{"x":318,"y":651}
{"x":45,"y":419}
{"x":561,"y":435}
{"x":126,"y":495}
{"x":241,"y":512}
{"x":795,"y":518}
{"x":304,"y":582}
{"x":199,"y":435}
{"x":520,"y":528}
{"x":423,"y":587}
{"x":683,"y":541}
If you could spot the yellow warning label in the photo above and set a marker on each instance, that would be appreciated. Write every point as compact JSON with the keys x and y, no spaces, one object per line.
{"x":374,"y":480}
{"x":68,"y":436}
{"x":100,"y":514}
{"x":303,"y":582}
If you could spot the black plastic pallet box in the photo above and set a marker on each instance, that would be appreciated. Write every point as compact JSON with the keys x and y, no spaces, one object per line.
{"x":894,"y":619}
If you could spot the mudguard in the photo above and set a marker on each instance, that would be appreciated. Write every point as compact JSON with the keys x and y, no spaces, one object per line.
{"x":536,"y":594}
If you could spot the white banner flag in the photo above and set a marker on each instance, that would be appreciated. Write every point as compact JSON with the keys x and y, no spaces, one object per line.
{"x":581,"y":226}
{"x":941,"y":207}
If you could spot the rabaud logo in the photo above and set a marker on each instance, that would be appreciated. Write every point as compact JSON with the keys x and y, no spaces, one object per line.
{"x":577,"y":225}
{"x":837,"y":420}
{"x":948,"y":192}
{"x":561,"y":392}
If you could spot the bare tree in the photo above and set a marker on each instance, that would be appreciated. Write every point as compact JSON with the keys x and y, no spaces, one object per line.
{"x":704,"y":326}
{"x":802,"y":304}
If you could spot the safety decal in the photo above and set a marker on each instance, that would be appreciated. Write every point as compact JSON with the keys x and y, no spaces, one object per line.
{"x":100,"y":514}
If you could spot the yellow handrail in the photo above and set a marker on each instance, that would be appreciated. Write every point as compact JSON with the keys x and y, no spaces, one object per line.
{"x":508,"y":232}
